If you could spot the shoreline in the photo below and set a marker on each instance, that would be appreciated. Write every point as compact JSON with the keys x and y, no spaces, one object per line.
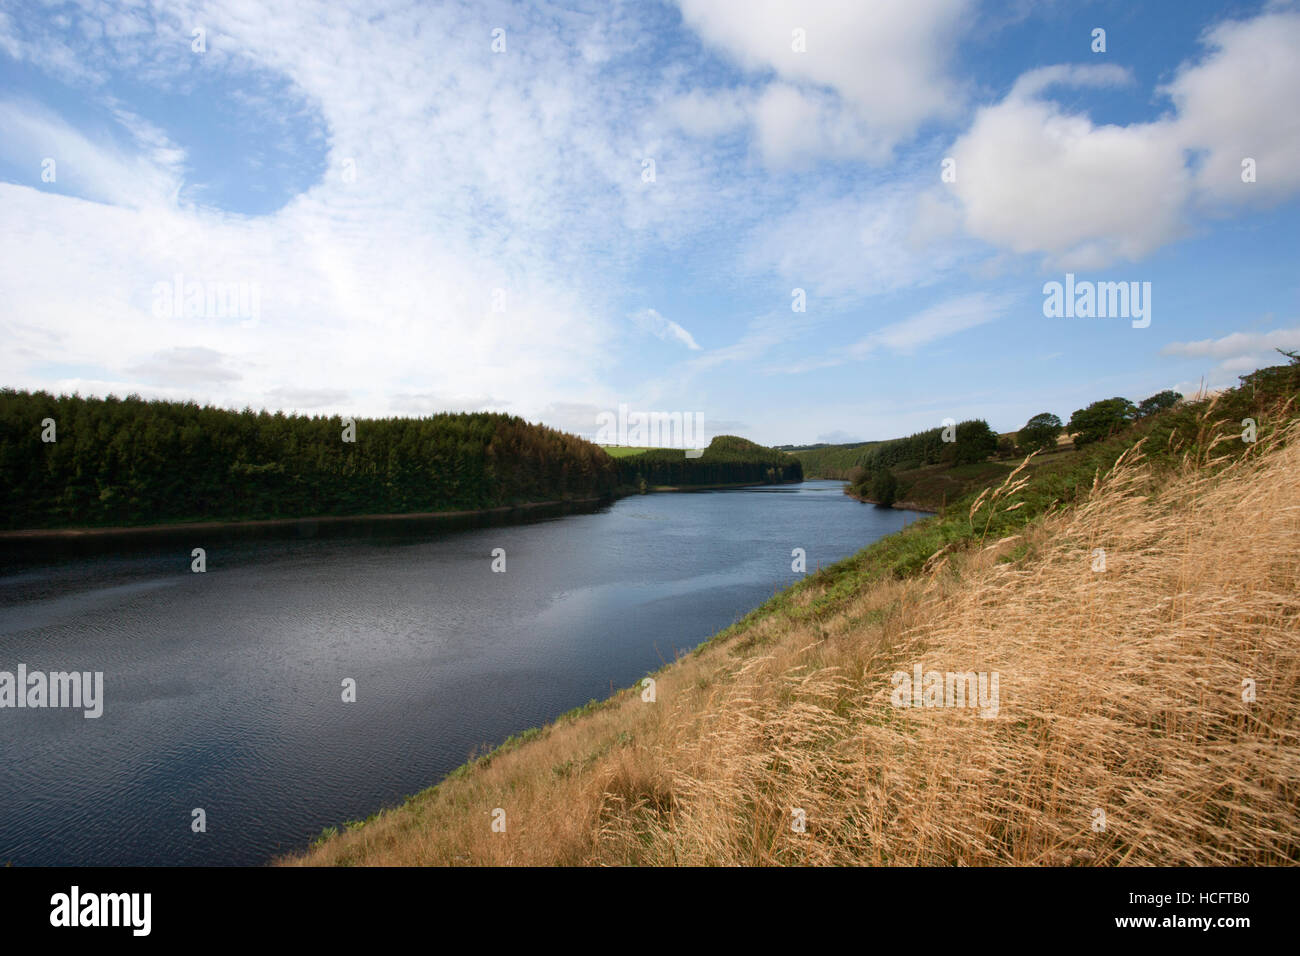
{"x":251,"y":524}
{"x":311,"y":524}
{"x":722,"y":487}
{"x":900,"y":505}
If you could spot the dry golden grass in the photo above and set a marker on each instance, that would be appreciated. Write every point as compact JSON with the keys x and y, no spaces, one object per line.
{"x":1120,"y":691}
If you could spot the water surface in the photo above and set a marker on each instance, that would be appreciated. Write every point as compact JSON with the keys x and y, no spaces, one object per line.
{"x":223,"y":689}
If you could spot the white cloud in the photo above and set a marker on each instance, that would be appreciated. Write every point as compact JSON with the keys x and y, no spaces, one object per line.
{"x":1237,"y":353}
{"x":474,"y":172}
{"x":1236,"y":344}
{"x":761,"y":335}
{"x":840,"y":437}
{"x":937,"y":322}
{"x":184,"y":367}
{"x":431,"y":403}
{"x":1035,"y":178}
{"x":1241,"y":101}
{"x":884,"y":61}
{"x":307,"y":398}
{"x":1036,"y":82}
{"x":666,"y":329}
{"x":843,"y":247}
{"x":1240,"y":364}
{"x":923,"y":328}
{"x":8,"y":41}
{"x":795,"y":127}
{"x":92,"y":168}
{"x":707,"y":114}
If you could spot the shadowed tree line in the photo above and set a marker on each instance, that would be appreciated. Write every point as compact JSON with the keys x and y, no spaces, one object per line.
{"x":866,"y":465}
{"x":965,"y":443}
{"x":128,"y":461}
{"x":727,"y":460}
{"x":969,"y":441}
{"x":875,"y":479}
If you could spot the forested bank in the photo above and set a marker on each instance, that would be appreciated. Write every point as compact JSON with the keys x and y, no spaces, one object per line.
{"x":923,"y":471}
{"x":68,"y":461}
{"x":958,"y":444}
{"x":830,"y":461}
{"x":727,"y":460}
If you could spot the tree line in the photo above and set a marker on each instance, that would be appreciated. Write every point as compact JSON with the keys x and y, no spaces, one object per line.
{"x":962,"y":443}
{"x":69,"y":461}
{"x":875,"y":479}
{"x":959,"y":444}
{"x":1097,"y":422}
{"x":73,"y":461}
{"x":728,"y":460}
{"x":954,"y":444}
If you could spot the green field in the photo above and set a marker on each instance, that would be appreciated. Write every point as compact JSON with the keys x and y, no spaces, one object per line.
{"x":623,"y":451}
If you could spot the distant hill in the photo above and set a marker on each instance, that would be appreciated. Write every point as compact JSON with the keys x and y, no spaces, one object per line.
{"x":729,"y":459}
{"x":972,"y":441}
{"x":831,"y":461}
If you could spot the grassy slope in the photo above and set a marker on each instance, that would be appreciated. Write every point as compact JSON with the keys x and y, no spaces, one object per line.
{"x":932,"y":487}
{"x":784,"y":709}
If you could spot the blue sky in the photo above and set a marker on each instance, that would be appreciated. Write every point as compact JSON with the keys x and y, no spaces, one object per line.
{"x":420,"y":222}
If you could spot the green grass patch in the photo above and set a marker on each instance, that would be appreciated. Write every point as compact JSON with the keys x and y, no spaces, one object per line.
{"x":624,"y":451}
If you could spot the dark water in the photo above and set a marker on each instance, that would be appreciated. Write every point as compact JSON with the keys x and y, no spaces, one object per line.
{"x":223,"y":690}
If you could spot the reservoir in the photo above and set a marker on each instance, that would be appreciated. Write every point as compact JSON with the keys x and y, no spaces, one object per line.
{"x":223,"y":691}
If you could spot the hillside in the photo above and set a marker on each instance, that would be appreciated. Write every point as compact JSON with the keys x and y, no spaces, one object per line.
{"x":727,"y":460}
{"x":1146,"y":709}
{"x":832,"y":461}
{"x":933,"y":487}
{"x":929,"y":471}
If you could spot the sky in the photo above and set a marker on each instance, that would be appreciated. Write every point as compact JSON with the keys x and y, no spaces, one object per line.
{"x":823,"y":220}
